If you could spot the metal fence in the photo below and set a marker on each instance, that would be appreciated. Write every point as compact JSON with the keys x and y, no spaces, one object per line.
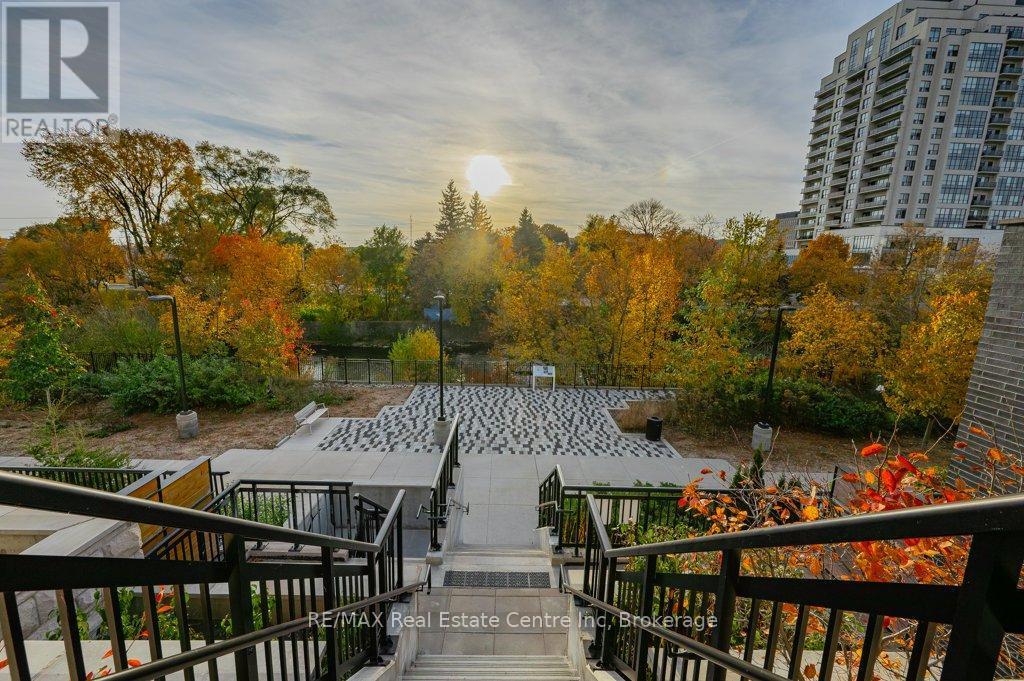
{"x":367,"y":371}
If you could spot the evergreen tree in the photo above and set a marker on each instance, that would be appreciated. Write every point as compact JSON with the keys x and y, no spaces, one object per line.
{"x":526,"y":240}
{"x":454,"y":216}
{"x":479,"y":218}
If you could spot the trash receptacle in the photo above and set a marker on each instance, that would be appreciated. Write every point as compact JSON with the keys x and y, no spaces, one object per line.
{"x":653,"y":428}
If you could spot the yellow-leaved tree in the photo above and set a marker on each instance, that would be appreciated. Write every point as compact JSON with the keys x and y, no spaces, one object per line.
{"x":833,"y":340}
{"x":928,"y":374}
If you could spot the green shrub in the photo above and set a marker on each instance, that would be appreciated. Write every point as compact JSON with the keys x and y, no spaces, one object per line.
{"x":40,"y":361}
{"x":210,"y":380}
{"x":798,"y":402}
{"x":120,"y":329}
{"x":286,"y":392}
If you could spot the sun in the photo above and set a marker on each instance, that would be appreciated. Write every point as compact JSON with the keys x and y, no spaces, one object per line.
{"x":486,"y":175}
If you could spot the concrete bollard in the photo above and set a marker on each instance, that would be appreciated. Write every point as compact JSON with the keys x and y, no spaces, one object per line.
{"x":188,"y":424}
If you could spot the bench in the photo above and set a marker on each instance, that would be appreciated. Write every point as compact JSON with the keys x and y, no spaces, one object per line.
{"x":308,"y":415}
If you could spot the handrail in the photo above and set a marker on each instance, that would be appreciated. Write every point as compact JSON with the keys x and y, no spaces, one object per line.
{"x":29,"y":492}
{"x":741,"y":667}
{"x":193,"y":658}
{"x":447,"y":449}
{"x":389,"y":519}
{"x":997,"y":514}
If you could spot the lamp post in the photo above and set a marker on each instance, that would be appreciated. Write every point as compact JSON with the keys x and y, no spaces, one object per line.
{"x":441,"y":425}
{"x":762,"y":438}
{"x":188,"y":421}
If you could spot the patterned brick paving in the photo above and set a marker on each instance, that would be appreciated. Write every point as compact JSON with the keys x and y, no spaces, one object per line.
{"x":499,"y":420}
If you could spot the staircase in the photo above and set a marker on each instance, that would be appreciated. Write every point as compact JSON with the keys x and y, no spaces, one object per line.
{"x":491,"y":668}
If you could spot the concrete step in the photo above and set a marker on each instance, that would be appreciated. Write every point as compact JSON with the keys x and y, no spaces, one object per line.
{"x":491,"y":668}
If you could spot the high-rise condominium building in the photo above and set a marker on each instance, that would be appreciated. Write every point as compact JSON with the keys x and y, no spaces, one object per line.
{"x":921,"y":119}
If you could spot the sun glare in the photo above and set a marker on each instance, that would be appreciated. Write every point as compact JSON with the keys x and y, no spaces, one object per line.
{"x":486,"y":175}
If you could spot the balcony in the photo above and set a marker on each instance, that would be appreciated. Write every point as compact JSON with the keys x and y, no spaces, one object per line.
{"x":821,"y":127}
{"x":849,"y":127}
{"x":880,"y":172}
{"x":818,"y":140}
{"x":996,"y":136}
{"x":815,"y":164}
{"x":1000,"y":120}
{"x":1002,"y":103}
{"x":870,"y":218}
{"x":875,"y":187}
{"x":889,"y":141}
{"x":883,"y":128}
{"x":887,"y":85}
{"x":1011,"y":70}
{"x":886,"y":113}
{"x":984,"y":183}
{"x":1006,"y":87}
{"x":989,"y":169}
{"x":991,"y":152}
{"x":845,"y":142}
{"x":821,"y":116}
{"x":892,"y":98}
{"x":901,"y":49}
{"x":813,"y":176}
{"x":809,"y":201}
{"x":872,"y":203}
{"x":877,"y":158}
{"x":837,"y":194}
{"x":1013,"y":53}
{"x":981,"y":202}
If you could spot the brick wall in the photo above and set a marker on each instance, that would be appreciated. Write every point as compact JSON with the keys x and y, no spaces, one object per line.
{"x":995,"y":395}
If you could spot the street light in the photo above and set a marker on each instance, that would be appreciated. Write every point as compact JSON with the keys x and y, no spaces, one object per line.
{"x":763,"y":432}
{"x":440,"y":353}
{"x":188,"y":422}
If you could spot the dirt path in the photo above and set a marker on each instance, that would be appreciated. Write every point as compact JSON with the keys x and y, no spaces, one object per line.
{"x":154,"y":436}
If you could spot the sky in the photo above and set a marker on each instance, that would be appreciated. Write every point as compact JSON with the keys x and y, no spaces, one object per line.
{"x":703,"y":104}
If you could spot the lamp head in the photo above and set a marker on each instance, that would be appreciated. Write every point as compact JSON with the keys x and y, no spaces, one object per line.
{"x":439,"y":297}
{"x":160,"y":298}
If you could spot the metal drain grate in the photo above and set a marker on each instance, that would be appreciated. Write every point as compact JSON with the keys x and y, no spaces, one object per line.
{"x":498,"y":580}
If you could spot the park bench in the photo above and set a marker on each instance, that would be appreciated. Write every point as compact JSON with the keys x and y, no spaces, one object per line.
{"x":308,"y":415}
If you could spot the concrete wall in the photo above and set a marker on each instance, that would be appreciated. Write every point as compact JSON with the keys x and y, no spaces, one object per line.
{"x":97,"y":538}
{"x":995,"y":395}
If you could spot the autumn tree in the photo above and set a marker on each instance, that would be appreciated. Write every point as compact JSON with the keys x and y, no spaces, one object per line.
{"x":259,"y":268}
{"x":928,"y":374}
{"x":832,"y":340}
{"x":72,"y":259}
{"x":384,"y":257}
{"x":128,"y":177}
{"x":751,"y":265}
{"x":649,"y":217}
{"x":825,"y":261}
{"x":334,"y":275}
{"x":267,"y":337}
{"x":203,"y":324}
{"x":246,"y":189}
{"x":454,"y":216}
{"x":555,"y":234}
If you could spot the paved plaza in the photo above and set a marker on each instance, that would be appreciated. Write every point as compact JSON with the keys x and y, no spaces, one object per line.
{"x":499,"y":420}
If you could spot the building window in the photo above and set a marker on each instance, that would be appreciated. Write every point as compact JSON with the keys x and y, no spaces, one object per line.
{"x":933,"y":35}
{"x":910,"y":166}
{"x":929,"y":164}
{"x":947,"y":83}
{"x":943,"y":100}
{"x":1016,"y":131}
{"x":903,"y":199}
{"x":928,"y":70}
{"x":924,"y":86}
{"x":983,"y":57}
{"x":931,"y":53}
{"x":955,"y":189}
{"x":1013,"y":159}
{"x":926,"y":180}
{"x":998,"y":216}
{"x":912,"y":149}
{"x":959,"y":243}
{"x":936,"y":134}
{"x":1009,"y":192}
{"x":950,"y":67}
{"x":924,"y":198}
{"x":901,"y":214}
{"x":922,"y":102}
{"x":915,"y":134}
{"x":920,"y":213}
{"x":883,"y":43}
{"x":853,"y":54}
{"x":901,"y":31}
{"x":969,"y":124}
{"x":950,"y":217}
{"x":963,"y":156}
{"x":919,"y":119}
{"x":976,"y":91}
{"x":933,"y":149}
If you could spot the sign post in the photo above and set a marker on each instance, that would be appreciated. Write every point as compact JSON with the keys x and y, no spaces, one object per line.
{"x":542,"y":371}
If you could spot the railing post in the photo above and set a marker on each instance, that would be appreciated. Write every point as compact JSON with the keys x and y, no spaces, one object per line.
{"x":989,"y":584}
{"x":373,"y":657}
{"x":725,"y":608}
{"x":608,"y":631}
{"x":13,"y":638}
{"x":240,"y":601}
{"x":434,"y":544}
{"x":646,"y":613}
{"x":330,"y":601}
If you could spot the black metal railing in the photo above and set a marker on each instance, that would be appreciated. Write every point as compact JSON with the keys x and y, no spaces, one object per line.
{"x":104,"y":479}
{"x":321,"y":507}
{"x":229,"y":617}
{"x":635,"y":585}
{"x":479,"y":372}
{"x":438,"y":506}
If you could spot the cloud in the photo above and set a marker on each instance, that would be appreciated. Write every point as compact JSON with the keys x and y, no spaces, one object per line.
{"x":590,"y":106}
